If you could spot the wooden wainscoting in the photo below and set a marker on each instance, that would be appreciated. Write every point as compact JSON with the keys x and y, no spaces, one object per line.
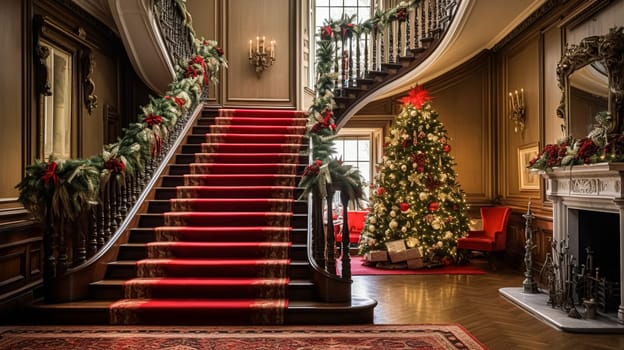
{"x":21,"y":265}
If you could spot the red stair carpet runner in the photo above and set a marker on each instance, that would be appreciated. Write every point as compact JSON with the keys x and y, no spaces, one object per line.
{"x":222,"y":255}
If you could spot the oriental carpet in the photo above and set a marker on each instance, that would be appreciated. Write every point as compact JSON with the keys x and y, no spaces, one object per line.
{"x":370,"y":337}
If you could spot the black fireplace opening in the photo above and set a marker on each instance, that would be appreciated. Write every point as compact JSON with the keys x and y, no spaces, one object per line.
{"x":600,"y":232}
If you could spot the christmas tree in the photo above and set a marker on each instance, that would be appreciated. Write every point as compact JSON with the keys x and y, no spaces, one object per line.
{"x":416,"y":197}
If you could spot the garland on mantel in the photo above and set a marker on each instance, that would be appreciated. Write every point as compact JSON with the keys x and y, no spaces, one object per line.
{"x":597,"y":147}
{"x":66,"y":187}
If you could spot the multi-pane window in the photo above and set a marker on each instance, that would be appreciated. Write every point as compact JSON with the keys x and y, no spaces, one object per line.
{"x":335,"y":9}
{"x":355,"y":151}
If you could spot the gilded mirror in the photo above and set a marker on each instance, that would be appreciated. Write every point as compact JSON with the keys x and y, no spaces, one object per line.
{"x":591,"y":81}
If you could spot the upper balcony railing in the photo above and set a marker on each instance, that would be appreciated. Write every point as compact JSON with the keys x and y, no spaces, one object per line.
{"x":372,"y":53}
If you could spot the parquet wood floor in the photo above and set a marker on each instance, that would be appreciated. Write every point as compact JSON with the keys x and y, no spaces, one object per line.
{"x":474,"y":302}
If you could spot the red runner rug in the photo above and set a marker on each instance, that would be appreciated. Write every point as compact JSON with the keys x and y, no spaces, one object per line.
{"x":373,"y":337}
{"x":221,"y":256}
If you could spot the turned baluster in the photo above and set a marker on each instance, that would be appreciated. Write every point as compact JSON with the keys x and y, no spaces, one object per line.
{"x":107,"y":212}
{"x":344,"y":68}
{"x":375,"y":51}
{"x":357,"y":60}
{"x":419,"y":27}
{"x":408,"y":31}
{"x":365,"y":55}
{"x":399,"y":41}
{"x":123,"y":198}
{"x":382,"y":52}
{"x":80,"y":244}
{"x":391,"y":43}
{"x":336,"y":63}
{"x":62,"y":260}
{"x":92,"y":244}
{"x":117,"y":203}
{"x":49,"y":244}
{"x":350,"y":62}
{"x":101,"y":236}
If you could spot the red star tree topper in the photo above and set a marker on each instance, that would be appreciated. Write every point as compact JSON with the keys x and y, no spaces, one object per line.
{"x":417,"y":96}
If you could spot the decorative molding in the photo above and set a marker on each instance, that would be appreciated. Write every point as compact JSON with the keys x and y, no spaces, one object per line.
{"x":536,"y":16}
{"x":608,"y":48}
{"x":42,"y":71}
{"x":80,"y":8}
{"x":90,"y":99}
{"x":584,"y":186}
{"x":99,"y":10}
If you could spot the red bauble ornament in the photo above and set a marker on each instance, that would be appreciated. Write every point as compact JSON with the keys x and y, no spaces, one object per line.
{"x":446,"y":148}
{"x":404,"y":206}
{"x":380,"y":191}
{"x":434,"y":206}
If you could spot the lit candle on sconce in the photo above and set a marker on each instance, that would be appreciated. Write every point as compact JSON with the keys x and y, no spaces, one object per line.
{"x":517,"y":109}
{"x":260,"y":58}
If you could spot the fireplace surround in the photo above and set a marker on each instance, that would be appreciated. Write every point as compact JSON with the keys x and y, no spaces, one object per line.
{"x":594,"y":188}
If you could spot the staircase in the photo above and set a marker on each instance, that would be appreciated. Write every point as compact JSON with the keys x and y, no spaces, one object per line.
{"x":162,"y":274}
{"x":239,"y":250}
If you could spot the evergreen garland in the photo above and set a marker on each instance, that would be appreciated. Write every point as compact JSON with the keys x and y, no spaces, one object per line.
{"x":64,"y":188}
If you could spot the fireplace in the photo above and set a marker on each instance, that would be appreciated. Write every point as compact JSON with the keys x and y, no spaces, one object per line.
{"x":588,"y":210}
{"x":598,"y":231}
{"x":596,"y":234}
{"x":588,"y":206}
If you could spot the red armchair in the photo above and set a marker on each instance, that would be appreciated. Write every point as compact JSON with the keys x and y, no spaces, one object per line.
{"x":493,"y":237}
{"x":355,"y":219}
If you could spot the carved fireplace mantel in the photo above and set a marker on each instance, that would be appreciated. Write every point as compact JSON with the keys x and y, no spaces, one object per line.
{"x":598,"y":181}
{"x":595,"y":187}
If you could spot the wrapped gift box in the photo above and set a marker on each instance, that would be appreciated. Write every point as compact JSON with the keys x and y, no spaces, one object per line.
{"x":412,"y":253}
{"x":414,"y":264}
{"x":376,"y":256}
{"x":397,"y":250}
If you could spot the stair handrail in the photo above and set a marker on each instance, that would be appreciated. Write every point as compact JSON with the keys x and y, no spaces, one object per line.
{"x":83,"y":205}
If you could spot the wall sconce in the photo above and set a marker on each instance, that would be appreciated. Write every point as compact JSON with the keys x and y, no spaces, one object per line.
{"x":516,"y":104}
{"x":261,"y":58}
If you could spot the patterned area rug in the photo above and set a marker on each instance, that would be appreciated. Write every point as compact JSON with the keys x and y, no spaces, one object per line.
{"x":425,"y":337}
